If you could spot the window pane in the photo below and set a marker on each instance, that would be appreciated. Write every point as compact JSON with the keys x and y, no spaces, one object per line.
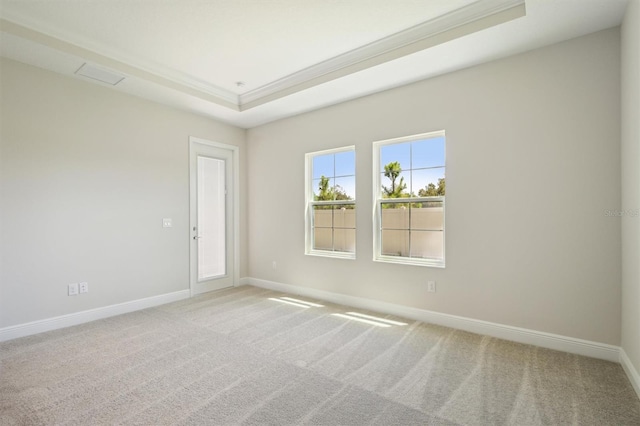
{"x":427,"y":153}
{"x":322,"y":216}
{"x":323,"y":166}
{"x":334,"y":228}
{"x":345,"y":163}
{"x":395,"y":185}
{"x":394,"y":216}
{"x":423,"y":177}
{"x":427,"y":244}
{"x":345,"y":188}
{"x":400,"y":152}
{"x":323,"y":189}
{"x":344,"y":240}
{"x":395,"y":243}
{"x":427,"y":215}
{"x":344,"y":217}
{"x":322,"y":239}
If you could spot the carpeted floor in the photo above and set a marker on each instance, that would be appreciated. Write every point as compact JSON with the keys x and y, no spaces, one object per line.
{"x":238,"y":357}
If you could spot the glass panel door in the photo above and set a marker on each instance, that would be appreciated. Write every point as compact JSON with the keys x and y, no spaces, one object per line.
{"x":212,"y":216}
{"x":211,"y":206}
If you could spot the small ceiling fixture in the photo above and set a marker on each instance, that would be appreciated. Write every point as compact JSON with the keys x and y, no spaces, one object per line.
{"x":240,"y":83}
{"x":100,"y":74}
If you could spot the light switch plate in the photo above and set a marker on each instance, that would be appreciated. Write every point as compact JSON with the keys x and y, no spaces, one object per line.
{"x":73,"y":289}
{"x":166,"y":222}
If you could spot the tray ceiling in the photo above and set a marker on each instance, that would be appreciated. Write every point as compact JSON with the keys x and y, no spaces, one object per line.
{"x":249,"y":62}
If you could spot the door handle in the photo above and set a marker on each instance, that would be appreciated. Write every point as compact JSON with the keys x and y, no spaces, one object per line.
{"x":197,"y":237}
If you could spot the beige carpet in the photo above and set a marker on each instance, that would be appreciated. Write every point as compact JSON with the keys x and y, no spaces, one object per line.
{"x":237,"y":357}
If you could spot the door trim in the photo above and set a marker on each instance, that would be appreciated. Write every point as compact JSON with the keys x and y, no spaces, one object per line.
{"x":235,"y":151}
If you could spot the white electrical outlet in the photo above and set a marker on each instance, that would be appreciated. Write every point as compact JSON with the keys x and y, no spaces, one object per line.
{"x":274,"y":265}
{"x":84,"y":287}
{"x":73,"y":289}
{"x":431,"y":286}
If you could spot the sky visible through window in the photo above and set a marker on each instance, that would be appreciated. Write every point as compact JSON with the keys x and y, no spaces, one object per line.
{"x":421,"y":161}
{"x":340,"y":168}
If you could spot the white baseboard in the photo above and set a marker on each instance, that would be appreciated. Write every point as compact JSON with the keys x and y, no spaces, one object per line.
{"x":62,"y":321}
{"x":244,"y":281}
{"x":516,"y":334}
{"x":631,"y":371}
{"x":507,"y":332}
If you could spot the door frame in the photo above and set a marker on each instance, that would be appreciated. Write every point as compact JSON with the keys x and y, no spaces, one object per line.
{"x":235,"y":206}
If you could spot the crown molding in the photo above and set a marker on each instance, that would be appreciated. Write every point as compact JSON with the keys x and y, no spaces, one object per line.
{"x":131,"y":67}
{"x":458,"y":23}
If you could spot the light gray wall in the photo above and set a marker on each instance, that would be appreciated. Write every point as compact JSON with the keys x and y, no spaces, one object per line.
{"x":631,"y":183}
{"x":534,"y":137}
{"x":87,"y":174}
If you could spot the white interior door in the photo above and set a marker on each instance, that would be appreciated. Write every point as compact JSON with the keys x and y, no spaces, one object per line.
{"x":212,"y":217}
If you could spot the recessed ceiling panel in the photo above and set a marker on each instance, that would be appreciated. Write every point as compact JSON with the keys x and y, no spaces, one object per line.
{"x":100,"y":74}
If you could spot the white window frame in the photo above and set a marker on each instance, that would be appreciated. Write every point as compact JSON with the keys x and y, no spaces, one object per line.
{"x":377,"y":210}
{"x":310,"y":202}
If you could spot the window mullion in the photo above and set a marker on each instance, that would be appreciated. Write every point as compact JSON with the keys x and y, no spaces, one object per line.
{"x":333,"y":203}
{"x":333,"y":224}
{"x":409,"y":227}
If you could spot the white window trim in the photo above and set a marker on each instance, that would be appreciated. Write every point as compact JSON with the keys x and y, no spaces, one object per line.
{"x":310,"y":202}
{"x":377,"y":199}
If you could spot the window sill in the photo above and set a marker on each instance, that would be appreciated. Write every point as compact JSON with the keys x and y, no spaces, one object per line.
{"x":431,"y":263}
{"x":331,"y":254}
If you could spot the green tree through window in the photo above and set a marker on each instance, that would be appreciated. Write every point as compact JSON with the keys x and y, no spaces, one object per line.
{"x":328,"y":193}
{"x":392,"y":171}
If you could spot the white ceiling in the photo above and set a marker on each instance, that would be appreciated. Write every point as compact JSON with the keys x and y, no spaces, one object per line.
{"x":292,"y":55}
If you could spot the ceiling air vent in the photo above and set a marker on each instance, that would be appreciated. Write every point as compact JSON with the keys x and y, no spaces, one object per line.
{"x":99,"y":74}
